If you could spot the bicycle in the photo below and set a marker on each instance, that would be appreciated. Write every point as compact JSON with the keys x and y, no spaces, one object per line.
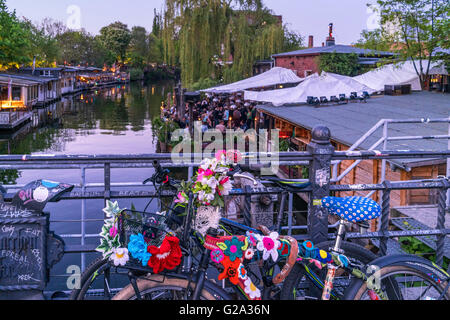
{"x":363,"y":256}
{"x":379,"y":279}
{"x":100,"y":270}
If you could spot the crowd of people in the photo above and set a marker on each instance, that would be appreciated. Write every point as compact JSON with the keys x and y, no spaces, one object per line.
{"x":218,"y":112}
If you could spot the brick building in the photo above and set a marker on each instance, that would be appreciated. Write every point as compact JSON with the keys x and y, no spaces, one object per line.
{"x":306,"y":61}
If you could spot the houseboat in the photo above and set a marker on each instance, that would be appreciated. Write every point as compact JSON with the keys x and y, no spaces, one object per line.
{"x":17,"y":97}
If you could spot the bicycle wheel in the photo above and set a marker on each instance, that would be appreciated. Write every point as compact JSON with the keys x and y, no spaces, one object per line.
{"x":100,"y":281}
{"x":407,"y":280}
{"x":160,"y":287}
{"x":307,"y":282}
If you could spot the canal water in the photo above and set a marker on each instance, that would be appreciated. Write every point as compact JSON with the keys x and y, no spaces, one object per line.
{"x":116,"y":120}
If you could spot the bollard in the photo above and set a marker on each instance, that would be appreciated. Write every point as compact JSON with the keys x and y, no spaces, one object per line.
{"x":321,"y":150}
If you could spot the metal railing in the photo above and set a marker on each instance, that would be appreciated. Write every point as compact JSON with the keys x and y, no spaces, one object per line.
{"x":384,"y":124}
{"x":318,"y":158}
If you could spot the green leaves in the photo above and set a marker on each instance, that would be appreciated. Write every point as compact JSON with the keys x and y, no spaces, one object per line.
{"x":116,"y":37}
{"x":345,"y":64}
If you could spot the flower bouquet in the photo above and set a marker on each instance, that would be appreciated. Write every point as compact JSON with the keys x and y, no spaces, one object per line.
{"x":211,"y":183}
{"x":209,"y":186}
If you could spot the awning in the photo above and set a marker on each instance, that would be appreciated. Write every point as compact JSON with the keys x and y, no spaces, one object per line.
{"x":273,"y":77}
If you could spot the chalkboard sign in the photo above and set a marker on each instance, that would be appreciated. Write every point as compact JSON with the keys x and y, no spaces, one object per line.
{"x":23,"y":244}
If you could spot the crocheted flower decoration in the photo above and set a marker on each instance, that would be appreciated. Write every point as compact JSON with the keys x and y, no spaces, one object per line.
{"x":269,"y":246}
{"x":119,"y":256}
{"x":230,"y":271}
{"x":284,"y":249}
{"x":251,"y":237}
{"x":323,"y":256}
{"x":251,"y":290}
{"x":217,"y":255}
{"x":249,"y":254}
{"x":242,"y":272}
{"x":233,"y":248}
{"x":138,"y":248}
{"x":167,"y":256}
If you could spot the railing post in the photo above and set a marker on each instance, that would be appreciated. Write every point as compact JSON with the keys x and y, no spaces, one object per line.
{"x":83,"y":218}
{"x":384,"y":225}
{"x":247,"y":206}
{"x":107,"y":181}
{"x":322,"y":151}
{"x":448,"y":170}
{"x":442,"y":195}
{"x":290,"y":212}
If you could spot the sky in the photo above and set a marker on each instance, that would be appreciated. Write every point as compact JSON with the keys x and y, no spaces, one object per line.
{"x":307,"y":17}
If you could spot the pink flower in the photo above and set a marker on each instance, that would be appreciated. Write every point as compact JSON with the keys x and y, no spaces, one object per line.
{"x":113,"y":232}
{"x":220,"y":154}
{"x":180,"y":198}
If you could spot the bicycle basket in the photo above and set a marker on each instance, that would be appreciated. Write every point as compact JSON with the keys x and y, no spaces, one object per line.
{"x":151,"y":225}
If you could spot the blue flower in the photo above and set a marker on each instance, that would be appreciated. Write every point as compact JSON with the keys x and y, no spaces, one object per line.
{"x":138,"y":248}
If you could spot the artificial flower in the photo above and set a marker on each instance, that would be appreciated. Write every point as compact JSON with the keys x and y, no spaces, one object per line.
{"x":269,"y":246}
{"x":234,"y":248}
{"x":112,"y":209}
{"x":251,"y":237}
{"x":249,"y":253}
{"x":217,"y":255}
{"x":120,"y":256}
{"x":225,"y":186}
{"x":113,"y":231}
{"x":251,"y":290}
{"x":230,"y":270}
{"x":181,"y":198}
{"x":138,"y":248}
{"x":167,"y":256}
{"x":242,"y":272}
{"x":221,"y":156}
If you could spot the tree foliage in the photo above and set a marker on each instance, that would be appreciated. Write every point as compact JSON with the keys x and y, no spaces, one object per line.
{"x":219,"y":39}
{"x":340,"y":63}
{"x":418,"y":28}
{"x":14,"y":39}
{"x":116,"y":38}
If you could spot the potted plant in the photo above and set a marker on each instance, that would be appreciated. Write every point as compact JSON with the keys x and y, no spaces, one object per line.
{"x":163,"y":130}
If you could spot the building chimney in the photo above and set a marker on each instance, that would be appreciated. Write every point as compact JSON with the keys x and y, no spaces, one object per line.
{"x":311,"y":42}
{"x":330,"y":39}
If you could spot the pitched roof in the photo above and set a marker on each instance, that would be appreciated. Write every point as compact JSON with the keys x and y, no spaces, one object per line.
{"x":339,"y":48}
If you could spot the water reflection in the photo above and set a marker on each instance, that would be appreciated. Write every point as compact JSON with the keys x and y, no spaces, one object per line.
{"x":116,"y":120}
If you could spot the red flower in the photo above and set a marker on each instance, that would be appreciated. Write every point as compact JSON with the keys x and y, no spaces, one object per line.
{"x":167,"y":256}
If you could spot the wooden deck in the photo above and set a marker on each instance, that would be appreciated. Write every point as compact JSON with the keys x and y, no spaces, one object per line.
{"x":12,"y":120}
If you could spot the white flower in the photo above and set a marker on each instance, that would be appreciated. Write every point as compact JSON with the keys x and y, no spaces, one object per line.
{"x":249,"y":253}
{"x":120,"y":256}
{"x":227,"y":186}
{"x":209,"y":164}
{"x":269,"y":245}
{"x":111,"y":209}
{"x":251,"y":290}
{"x":212,"y":183}
{"x":205,"y":197}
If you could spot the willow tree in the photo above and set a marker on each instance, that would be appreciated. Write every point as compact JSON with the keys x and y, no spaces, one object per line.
{"x":202,"y":35}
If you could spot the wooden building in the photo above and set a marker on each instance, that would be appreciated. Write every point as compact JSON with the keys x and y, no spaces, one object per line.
{"x":350,"y":122}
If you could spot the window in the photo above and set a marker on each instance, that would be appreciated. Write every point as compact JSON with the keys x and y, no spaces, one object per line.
{"x":16,"y":93}
{"x":3,"y":92}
